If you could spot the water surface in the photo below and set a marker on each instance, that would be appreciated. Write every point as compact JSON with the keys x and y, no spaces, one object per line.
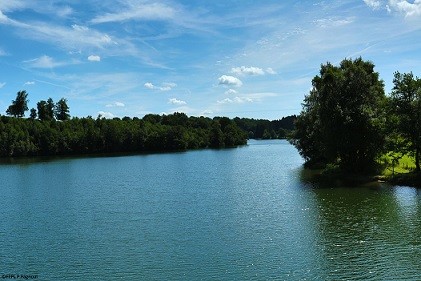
{"x":231,"y":214}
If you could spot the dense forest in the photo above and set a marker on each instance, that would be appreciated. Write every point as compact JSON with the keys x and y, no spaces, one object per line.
{"x":50,"y":130}
{"x":266,"y":129}
{"x":33,"y":137}
{"x":349,"y":122}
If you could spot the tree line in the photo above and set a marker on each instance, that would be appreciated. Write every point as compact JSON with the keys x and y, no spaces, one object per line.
{"x":266,"y":129}
{"x":55,"y":133}
{"x":348,"y":121}
{"x":47,"y":110}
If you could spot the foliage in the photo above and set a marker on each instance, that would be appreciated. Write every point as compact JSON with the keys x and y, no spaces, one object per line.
{"x":45,"y":109}
{"x":405,"y":110}
{"x":32,"y":137}
{"x":265,"y":129}
{"x":61,"y":110}
{"x":342,"y":120}
{"x":33,"y":114}
{"x":19,"y":105}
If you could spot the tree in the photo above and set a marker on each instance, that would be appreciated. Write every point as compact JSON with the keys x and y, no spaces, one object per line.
{"x":46,"y":109}
{"x":62,"y":110}
{"x":342,"y":121}
{"x":50,"y":108}
{"x":19,"y":106}
{"x":42,"y":110}
{"x":33,"y":114}
{"x":406,"y":108}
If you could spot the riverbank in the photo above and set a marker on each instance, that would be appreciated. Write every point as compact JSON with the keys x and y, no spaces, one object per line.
{"x":336,"y":177}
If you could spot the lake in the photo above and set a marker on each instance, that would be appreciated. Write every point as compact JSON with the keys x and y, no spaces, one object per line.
{"x":232,"y":214}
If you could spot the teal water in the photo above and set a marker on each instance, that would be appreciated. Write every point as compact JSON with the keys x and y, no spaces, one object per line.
{"x":232,"y":214}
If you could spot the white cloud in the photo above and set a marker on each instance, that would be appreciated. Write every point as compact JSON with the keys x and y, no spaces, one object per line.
{"x":230,"y":81}
{"x":164,"y":87}
{"x":235,"y":100}
{"x":231,"y":92}
{"x":29,"y":83}
{"x":175,"y":101}
{"x":243,"y":70}
{"x":105,"y":114}
{"x":149,"y":85}
{"x":2,"y":85}
{"x":94,"y":58}
{"x":409,"y":9}
{"x":116,"y":104}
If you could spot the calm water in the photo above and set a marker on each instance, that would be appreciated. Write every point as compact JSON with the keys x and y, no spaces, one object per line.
{"x":234,"y":214}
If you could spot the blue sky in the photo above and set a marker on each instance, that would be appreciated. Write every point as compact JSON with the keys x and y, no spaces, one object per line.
{"x":213,"y":58}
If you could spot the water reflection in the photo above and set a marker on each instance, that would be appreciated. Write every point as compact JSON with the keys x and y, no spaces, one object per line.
{"x":367,"y":232}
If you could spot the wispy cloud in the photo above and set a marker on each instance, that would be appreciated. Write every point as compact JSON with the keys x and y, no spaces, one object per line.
{"x":53,"y":8}
{"x":75,"y":37}
{"x":375,"y":4}
{"x":44,"y":62}
{"x":228,"y":80}
{"x":2,"y":84}
{"x":29,"y":83}
{"x":333,"y":22}
{"x":12,"y":5}
{"x":104,"y":85}
{"x":138,"y":10}
{"x":269,"y":70}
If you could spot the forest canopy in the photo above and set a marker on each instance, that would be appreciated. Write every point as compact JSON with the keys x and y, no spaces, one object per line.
{"x":33,"y":137}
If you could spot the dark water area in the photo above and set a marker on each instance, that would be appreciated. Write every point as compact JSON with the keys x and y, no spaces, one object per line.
{"x":232,"y":214}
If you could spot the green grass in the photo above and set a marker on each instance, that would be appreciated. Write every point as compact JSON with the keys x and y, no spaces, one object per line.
{"x":405,"y":165}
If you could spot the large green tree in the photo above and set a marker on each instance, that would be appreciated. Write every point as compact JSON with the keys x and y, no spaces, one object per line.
{"x":342,"y":120}
{"x":46,"y":109}
{"x":19,"y":105}
{"x":61,"y":110}
{"x":406,"y":110}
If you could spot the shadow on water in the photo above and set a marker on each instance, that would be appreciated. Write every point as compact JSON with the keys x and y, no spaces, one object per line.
{"x":315,"y":179}
{"x":365,"y":229}
{"x":47,"y":159}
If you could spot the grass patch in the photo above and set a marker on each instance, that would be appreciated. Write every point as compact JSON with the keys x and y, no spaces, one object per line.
{"x":404,"y":165}
{"x":401,"y":173}
{"x":398,"y":172}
